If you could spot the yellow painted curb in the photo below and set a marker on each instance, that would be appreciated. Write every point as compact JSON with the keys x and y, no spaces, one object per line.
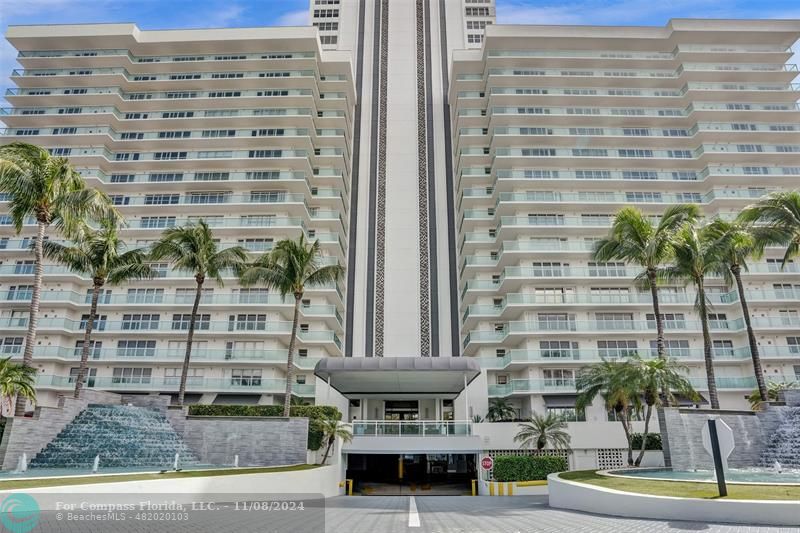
{"x":535,"y":483}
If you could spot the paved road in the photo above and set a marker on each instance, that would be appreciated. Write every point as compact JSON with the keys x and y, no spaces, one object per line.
{"x":485,"y":514}
{"x":395,"y":514}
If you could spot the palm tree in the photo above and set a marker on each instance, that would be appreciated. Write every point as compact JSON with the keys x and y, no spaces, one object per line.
{"x":500,"y":410}
{"x":779,"y":211}
{"x":539,"y":431}
{"x":332,"y":428}
{"x":614,"y":381}
{"x":654,"y":375}
{"x":773,"y":391}
{"x":291,"y":267}
{"x":99,"y":254}
{"x":192,"y":248}
{"x":50,"y":191}
{"x":697,"y":255}
{"x":737,"y":241}
{"x":635,"y":239}
{"x":15,"y":380}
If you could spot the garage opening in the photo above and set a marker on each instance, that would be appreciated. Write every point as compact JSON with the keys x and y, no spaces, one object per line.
{"x":446,"y":474}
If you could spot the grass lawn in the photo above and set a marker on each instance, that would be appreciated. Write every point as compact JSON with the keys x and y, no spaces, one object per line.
{"x":113,"y":478}
{"x":684,"y":489}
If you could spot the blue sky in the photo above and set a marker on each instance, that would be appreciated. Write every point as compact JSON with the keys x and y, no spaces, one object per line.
{"x":161,"y":14}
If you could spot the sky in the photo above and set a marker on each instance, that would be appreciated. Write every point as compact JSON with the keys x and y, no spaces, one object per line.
{"x":164,"y":14}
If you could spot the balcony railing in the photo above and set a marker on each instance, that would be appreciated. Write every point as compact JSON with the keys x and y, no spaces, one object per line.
{"x":411,"y":428}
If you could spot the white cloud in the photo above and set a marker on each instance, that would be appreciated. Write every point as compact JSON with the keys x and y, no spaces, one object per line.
{"x":299,"y":17}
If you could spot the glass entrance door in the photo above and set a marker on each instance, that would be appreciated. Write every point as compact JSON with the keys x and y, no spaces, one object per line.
{"x":401,"y":410}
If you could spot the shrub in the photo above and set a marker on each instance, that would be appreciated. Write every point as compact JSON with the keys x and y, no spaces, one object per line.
{"x":527,"y":467}
{"x":311,"y":412}
{"x":653,"y":441}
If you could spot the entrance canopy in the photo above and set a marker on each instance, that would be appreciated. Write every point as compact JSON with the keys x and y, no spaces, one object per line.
{"x":357,"y":377}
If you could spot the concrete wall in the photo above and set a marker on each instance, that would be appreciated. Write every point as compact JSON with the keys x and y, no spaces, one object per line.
{"x":324,"y":480}
{"x":31,"y":435}
{"x":681,"y":433}
{"x":258,"y":441}
{"x":593,"y":499}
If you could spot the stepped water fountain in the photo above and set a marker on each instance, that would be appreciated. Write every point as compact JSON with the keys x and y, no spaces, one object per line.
{"x":783,"y":446}
{"x":122,"y":436}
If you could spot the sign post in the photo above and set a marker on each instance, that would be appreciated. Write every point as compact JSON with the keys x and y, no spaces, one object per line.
{"x":718,"y":441}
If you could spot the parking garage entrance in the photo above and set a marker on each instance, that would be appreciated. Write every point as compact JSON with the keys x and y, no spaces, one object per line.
{"x":445,"y":474}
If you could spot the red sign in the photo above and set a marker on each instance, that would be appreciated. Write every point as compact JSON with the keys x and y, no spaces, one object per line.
{"x":487,"y":463}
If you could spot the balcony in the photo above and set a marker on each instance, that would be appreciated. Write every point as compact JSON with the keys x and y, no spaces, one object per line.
{"x":413,"y":436}
{"x":152,"y":384}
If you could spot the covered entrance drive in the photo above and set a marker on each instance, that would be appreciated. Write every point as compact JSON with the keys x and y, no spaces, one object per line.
{"x":412,"y":474}
{"x":404,"y":411}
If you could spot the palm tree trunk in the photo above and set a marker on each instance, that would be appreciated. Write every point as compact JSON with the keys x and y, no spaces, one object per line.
{"x":652,"y":277}
{"x":648,"y":414}
{"x":328,"y":449}
{"x":287,"y":400}
{"x":660,"y":346}
{"x":190,"y":338}
{"x":751,"y":336}
{"x":627,"y":428}
{"x":33,"y":315}
{"x":87,"y":338}
{"x":707,"y":347}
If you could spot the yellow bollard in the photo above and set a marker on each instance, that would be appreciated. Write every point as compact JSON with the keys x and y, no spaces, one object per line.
{"x":474,"y":487}
{"x":491,"y":488}
{"x":510,"y":488}
{"x":349,"y":487}
{"x":500,"y":489}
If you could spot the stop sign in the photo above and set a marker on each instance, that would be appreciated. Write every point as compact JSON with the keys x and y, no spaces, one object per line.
{"x":487,"y":463}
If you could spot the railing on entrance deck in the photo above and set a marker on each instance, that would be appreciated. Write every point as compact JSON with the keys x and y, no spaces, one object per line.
{"x":411,"y":428}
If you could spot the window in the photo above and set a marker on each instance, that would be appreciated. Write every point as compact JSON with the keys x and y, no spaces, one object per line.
{"x":160,"y":156}
{"x":208,"y":197}
{"x":95,"y":349}
{"x":569,"y":414}
{"x":247,"y":322}
{"x":194,"y":376}
{"x":794,"y":344}
{"x":718,"y":320}
{"x":671,"y":320}
{"x":246,"y":377}
{"x":606,"y":321}
{"x":501,"y":379}
{"x":122,"y":178}
{"x":12,"y":345}
{"x":99,"y":323}
{"x":174,"y":134}
{"x":617,"y":348}
{"x":558,"y":377}
{"x":161,"y":199}
{"x":136,"y":348}
{"x":164,"y":176}
{"x":558,"y":349}
{"x":722,"y":348}
{"x":556,"y":321}
{"x":187,"y":296}
{"x":157,"y":222}
{"x":607,"y":270}
{"x":672,"y":348}
{"x":139,"y":321}
{"x":548,"y":269}
{"x":251,"y":296}
{"x":300,"y":379}
{"x":181,"y":321}
{"x":90,"y":375}
{"x":129,"y":375}
{"x":20,"y":292}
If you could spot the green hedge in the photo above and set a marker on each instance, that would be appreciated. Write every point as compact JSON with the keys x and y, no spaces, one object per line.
{"x":527,"y":467}
{"x":309,"y":411}
{"x":653,"y":441}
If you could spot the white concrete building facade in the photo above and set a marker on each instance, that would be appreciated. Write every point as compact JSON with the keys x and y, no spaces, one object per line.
{"x":460,"y":170}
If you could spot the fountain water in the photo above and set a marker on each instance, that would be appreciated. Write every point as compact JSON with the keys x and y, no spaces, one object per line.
{"x":96,"y":464}
{"x":124,"y":436}
{"x":783,"y":446}
{"x":22,"y":464}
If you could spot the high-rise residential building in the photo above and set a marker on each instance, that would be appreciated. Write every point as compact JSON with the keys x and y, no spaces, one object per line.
{"x":248,"y":129}
{"x":461,"y":171}
{"x":557,"y":128}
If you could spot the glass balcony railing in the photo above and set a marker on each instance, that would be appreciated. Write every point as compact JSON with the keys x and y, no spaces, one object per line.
{"x":144,"y":383}
{"x":528,"y":386}
{"x":411,"y":428}
{"x":150,"y":355}
{"x":523,"y":356}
